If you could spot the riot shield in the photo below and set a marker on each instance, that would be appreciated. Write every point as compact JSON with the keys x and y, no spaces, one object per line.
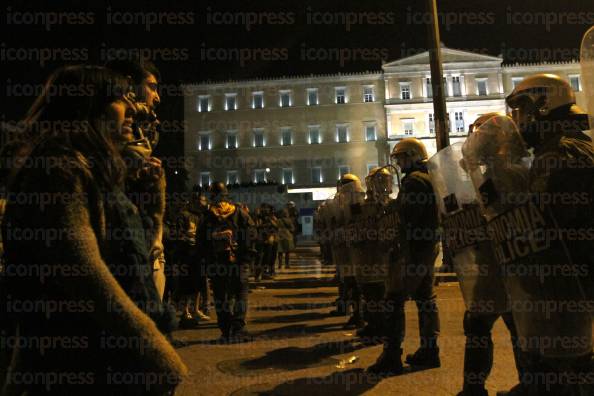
{"x":372,"y":245}
{"x":547,"y":301}
{"x":587,"y":65}
{"x":350,"y":199}
{"x":465,"y":234}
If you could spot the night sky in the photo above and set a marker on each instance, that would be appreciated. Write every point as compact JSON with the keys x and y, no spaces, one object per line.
{"x":202,"y":40}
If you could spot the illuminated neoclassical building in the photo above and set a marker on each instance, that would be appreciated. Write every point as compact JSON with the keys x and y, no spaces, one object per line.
{"x":306,"y":131}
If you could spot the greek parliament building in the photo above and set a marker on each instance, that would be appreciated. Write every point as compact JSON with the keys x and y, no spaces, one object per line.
{"x":306,"y":131}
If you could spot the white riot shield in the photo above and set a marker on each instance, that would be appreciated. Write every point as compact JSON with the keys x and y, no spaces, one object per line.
{"x":587,"y":78}
{"x":547,"y":302}
{"x":465,"y":234}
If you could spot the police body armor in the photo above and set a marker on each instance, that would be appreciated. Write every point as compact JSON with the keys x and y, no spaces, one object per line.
{"x":548,"y":303}
{"x":347,"y":207}
{"x":336,"y":234}
{"x":465,"y":234}
{"x":372,"y":244}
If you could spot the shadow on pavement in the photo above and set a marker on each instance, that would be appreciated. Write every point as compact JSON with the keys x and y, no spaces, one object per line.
{"x":291,"y":358}
{"x":303,"y":317}
{"x":308,"y":295}
{"x":351,"y":382}
{"x":295,"y":307}
{"x":296,"y":283}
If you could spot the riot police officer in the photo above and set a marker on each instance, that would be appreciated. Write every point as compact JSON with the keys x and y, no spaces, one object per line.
{"x":411,"y":271}
{"x":350,"y":193}
{"x":371,"y":252}
{"x":544,"y":108}
{"x":465,"y":235}
{"x":227,"y":239}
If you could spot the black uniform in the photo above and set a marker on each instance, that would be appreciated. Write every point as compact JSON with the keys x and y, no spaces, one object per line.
{"x":418,"y":248}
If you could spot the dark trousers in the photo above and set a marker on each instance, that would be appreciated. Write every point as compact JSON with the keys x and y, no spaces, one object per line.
{"x":478,"y":352}
{"x":230,"y":289}
{"x":420,"y":288}
{"x":352,"y":295}
{"x":374,"y":310}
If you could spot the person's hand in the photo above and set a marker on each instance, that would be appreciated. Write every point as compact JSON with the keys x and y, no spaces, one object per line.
{"x":151,"y":170}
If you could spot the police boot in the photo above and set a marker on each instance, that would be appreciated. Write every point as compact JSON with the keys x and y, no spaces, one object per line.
{"x":389,"y":363}
{"x":425,"y":356}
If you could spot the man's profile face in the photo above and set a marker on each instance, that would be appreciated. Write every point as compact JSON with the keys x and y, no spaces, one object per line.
{"x":150,"y":91}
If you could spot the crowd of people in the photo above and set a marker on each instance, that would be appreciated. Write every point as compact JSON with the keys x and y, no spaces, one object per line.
{"x":513,"y":207}
{"x":97,"y":262}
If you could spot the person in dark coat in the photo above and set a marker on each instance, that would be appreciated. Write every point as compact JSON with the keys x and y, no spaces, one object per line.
{"x":227,"y":242}
{"x":80,"y":253}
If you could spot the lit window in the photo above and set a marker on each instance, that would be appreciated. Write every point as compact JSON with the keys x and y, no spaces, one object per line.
{"x":405,"y":91}
{"x":481,"y":87}
{"x":459,"y":121}
{"x":288,"y":176}
{"x":340,"y":95}
{"x":204,"y":142}
{"x":231,"y":142}
{"x":258,"y":100}
{"x":204,"y":179}
{"x":285,"y":98}
{"x":370,"y":132}
{"x":516,"y":81}
{"x":408,"y":125}
{"x":314,"y":135}
{"x":574,"y":81}
{"x":230,"y":102}
{"x":456,"y":86}
{"x":259,"y":138}
{"x":368,"y":95}
{"x":429,"y":87}
{"x":316,"y":175}
{"x":431,"y":123}
{"x":342,"y":133}
{"x":343,"y":170}
{"x":204,"y":103}
{"x":232,"y":177}
{"x":286,"y":137}
{"x":260,"y":176}
{"x":312,"y":96}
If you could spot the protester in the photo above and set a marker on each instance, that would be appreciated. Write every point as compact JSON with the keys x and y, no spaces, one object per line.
{"x":286,"y":244}
{"x":91,"y":229}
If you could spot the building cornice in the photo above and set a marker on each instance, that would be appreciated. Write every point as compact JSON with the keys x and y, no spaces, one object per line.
{"x":302,"y":79}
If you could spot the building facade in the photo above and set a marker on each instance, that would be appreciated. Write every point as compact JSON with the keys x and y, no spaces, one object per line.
{"x":306,"y":131}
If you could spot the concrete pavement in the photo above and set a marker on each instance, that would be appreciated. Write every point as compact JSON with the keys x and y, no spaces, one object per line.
{"x":299,"y":349}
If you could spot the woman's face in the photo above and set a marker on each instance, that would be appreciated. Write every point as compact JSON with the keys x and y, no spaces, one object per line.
{"x":116,"y":122}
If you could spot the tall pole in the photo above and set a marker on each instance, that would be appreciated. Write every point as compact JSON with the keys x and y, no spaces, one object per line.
{"x":439,"y":103}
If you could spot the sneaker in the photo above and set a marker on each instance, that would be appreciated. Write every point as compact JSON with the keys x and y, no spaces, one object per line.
{"x":201,"y":315}
{"x":424,"y":357}
{"x":187,"y":322}
{"x":388,"y":363}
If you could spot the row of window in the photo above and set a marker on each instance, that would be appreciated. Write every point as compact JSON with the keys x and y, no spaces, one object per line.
{"x":314,"y":136}
{"x":287,"y":175}
{"x":457,"y":88}
{"x":408,"y":124}
{"x":285,"y":98}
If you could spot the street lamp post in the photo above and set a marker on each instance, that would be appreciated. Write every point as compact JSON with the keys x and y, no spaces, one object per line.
{"x":439,"y":103}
